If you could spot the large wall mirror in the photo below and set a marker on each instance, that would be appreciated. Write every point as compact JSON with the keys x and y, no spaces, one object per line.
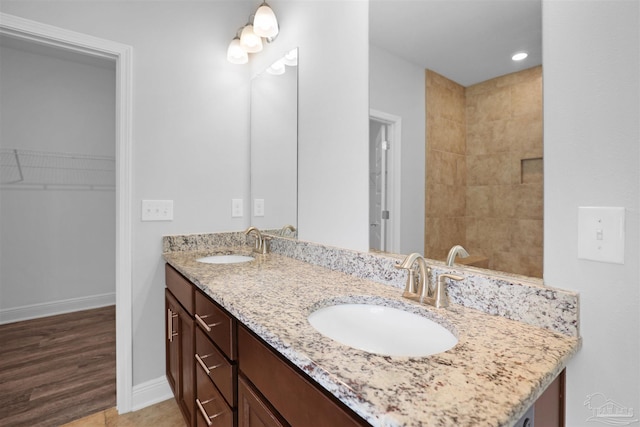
{"x":274,"y":147}
{"x":471,"y":127}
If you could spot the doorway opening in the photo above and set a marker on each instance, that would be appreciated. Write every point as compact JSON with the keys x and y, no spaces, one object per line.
{"x":70,"y":41}
{"x":384,"y":181}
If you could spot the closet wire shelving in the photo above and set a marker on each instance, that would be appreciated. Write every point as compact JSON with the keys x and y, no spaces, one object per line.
{"x":28,"y":169}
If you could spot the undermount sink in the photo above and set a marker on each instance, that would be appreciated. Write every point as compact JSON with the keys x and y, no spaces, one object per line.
{"x":225,"y":259}
{"x":382,"y":330}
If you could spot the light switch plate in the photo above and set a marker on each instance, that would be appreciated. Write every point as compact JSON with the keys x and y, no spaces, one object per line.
{"x":601,"y":234}
{"x":157,"y":210}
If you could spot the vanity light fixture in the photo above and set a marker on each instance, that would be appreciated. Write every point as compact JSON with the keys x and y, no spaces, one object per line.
{"x":291,"y":58}
{"x":280,"y":66}
{"x":249,"y":38}
{"x":277,"y":68}
{"x":249,"y":41}
{"x":265,"y":22}
{"x":236,"y":53}
{"x":519,"y":56}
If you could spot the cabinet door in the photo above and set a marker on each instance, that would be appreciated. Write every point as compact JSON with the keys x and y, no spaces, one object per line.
{"x":550,"y":407}
{"x":172,"y":353}
{"x":297,"y":399}
{"x":179,"y":356}
{"x":253,"y":411}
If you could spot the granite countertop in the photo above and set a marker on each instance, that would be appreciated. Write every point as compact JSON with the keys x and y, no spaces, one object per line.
{"x":490,"y":378}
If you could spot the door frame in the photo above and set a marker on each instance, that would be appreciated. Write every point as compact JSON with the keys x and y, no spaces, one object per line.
{"x":395,"y":124}
{"x":49,"y":35}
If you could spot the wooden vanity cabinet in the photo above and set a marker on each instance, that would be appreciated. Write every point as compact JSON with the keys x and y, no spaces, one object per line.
{"x":223,"y":375}
{"x":254,"y":410}
{"x":180,"y":343}
{"x":550,"y":407}
{"x":216,"y":364}
{"x":295,"y":398}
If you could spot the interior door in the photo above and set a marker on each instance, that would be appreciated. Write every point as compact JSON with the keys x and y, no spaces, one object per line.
{"x":378,"y":185}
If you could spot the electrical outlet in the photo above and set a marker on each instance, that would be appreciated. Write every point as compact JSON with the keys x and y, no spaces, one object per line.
{"x":258,"y":207}
{"x":157,"y":210}
{"x":236,"y":208}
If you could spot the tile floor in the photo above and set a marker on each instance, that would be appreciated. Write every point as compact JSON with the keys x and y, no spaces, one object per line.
{"x":163,"y":414}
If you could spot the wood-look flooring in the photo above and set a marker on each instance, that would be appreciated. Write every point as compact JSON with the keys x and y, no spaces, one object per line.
{"x":57,"y":369}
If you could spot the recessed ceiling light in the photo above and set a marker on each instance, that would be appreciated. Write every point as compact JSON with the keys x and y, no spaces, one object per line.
{"x":519,"y":56}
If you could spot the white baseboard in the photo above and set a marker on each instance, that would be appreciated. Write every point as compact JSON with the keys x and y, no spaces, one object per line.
{"x":34,"y":311}
{"x":150,"y":393}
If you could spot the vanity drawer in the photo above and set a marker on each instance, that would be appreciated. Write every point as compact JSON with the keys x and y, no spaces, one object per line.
{"x":217,"y":324}
{"x":180,"y":287}
{"x":290,"y":393}
{"x":220,"y":371}
{"x":211,"y":408}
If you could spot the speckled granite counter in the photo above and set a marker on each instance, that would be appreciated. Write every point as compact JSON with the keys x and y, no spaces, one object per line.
{"x":496,"y":371}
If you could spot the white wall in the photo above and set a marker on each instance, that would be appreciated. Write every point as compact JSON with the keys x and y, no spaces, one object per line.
{"x":191,"y":124}
{"x":274,"y":148}
{"x":397,"y":87}
{"x":333,"y":116}
{"x":591,"y":142}
{"x":58,"y":245}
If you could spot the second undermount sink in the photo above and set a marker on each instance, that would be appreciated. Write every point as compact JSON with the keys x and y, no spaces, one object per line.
{"x":225,"y":259}
{"x":382,"y":330}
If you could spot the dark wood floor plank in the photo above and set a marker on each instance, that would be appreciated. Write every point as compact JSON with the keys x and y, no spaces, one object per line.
{"x":57,"y":369}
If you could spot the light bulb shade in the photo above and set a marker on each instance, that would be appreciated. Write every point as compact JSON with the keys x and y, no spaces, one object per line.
{"x":265,"y":23}
{"x":249,"y":41}
{"x":291,"y":58}
{"x":236,"y":54}
{"x":277,"y":68}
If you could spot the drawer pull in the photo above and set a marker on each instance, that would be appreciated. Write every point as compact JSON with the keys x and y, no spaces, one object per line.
{"x":170,"y":317}
{"x":207,"y":327}
{"x":206,"y":416}
{"x":204,"y":366}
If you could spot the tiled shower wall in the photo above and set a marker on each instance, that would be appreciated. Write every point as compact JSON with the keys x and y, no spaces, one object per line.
{"x":497,"y":168}
{"x":445,"y":186}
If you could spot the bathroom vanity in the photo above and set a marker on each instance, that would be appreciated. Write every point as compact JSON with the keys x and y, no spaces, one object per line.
{"x":240,"y":351}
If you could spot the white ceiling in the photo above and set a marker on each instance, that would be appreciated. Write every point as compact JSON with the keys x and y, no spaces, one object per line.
{"x":467,"y":41}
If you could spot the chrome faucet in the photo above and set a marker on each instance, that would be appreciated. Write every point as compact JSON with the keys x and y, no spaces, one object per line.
{"x":455,"y":251}
{"x":419,"y":288}
{"x":262,"y":243}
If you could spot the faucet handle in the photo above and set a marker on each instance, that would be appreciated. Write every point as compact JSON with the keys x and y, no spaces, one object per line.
{"x":410,"y":287}
{"x":443,"y":276}
{"x":441,"y":297}
{"x":266,"y":245}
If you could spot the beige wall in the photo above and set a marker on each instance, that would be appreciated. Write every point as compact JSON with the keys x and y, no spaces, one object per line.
{"x":445,"y":198}
{"x":484,"y":170}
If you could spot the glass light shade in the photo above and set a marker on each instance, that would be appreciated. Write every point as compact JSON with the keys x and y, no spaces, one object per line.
{"x":249,"y":41}
{"x":291,"y":58}
{"x":265,"y":23}
{"x":277,"y":68}
{"x":236,"y":54}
